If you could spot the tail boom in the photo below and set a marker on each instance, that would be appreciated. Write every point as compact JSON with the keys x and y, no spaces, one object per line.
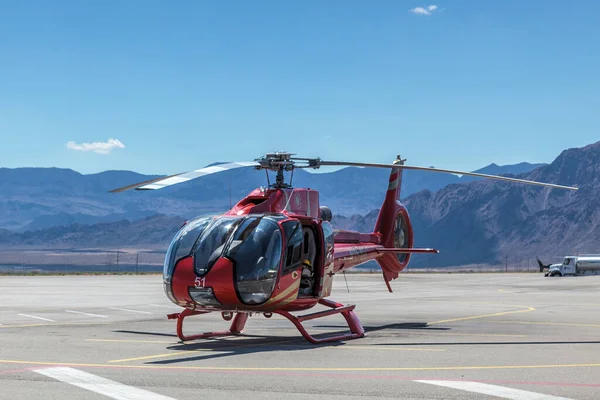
{"x":349,"y":255}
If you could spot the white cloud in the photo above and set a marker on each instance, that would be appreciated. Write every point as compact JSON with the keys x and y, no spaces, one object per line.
{"x":424,"y":11}
{"x":420,"y":10}
{"x":97,"y":147}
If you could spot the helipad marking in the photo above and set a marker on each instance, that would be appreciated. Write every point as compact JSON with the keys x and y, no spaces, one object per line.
{"x":163,"y":306}
{"x":84,"y":313}
{"x":99,"y":385}
{"x":125,"y":309}
{"x":529,"y":309}
{"x":332,"y":369}
{"x":33,"y":316}
{"x":56,"y":324}
{"x":493,"y":390}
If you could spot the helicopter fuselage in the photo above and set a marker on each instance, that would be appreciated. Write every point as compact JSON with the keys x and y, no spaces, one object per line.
{"x":255,"y":257}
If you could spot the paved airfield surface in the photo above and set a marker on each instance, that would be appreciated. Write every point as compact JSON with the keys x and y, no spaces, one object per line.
{"x":438,"y":336}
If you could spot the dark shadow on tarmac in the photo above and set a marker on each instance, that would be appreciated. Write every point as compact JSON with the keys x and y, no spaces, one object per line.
{"x":147,"y":333}
{"x":241,"y":345}
{"x":249,"y":344}
{"x":486,"y":343}
{"x":398,"y":326}
{"x":220,"y":347}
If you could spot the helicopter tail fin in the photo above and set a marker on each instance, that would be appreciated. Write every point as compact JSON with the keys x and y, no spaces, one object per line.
{"x":542,"y":265}
{"x":394,"y":227}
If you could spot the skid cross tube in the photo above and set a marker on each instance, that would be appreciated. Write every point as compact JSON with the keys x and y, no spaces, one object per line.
{"x":239,"y":321}
{"x":237,"y":325}
{"x":356,"y":328}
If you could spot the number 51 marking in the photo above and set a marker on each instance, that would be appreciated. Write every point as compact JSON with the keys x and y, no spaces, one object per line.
{"x":199,"y":282}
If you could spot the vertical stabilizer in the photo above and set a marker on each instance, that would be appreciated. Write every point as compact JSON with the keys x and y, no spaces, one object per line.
{"x":393,"y":225}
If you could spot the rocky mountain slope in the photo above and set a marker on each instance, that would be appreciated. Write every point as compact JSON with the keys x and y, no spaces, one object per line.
{"x":487,"y":221}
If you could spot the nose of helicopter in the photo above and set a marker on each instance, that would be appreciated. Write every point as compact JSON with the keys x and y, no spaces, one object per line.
{"x":214,"y":290}
{"x":224,"y":263}
{"x":224,"y":287}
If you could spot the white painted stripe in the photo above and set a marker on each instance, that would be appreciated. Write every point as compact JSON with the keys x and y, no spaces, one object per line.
{"x":125,"y":309}
{"x":94,"y":383}
{"x":33,"y":316}
{"x":160,"y":305}
{"x":493,"y":390}
{"x":84,"y":313}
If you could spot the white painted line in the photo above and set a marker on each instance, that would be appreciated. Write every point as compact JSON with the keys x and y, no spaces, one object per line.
{"x":33,"y":316}
{"x":493,"y":390}
{"x":99,"y":385}
{"x":88,"y":314}
{"x":124,"y":309}
{"x":160,"y":305}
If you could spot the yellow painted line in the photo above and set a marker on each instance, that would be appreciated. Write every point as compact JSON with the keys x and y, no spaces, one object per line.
{"x":548,"y":323}
{"x":330,"y":369}
{"x":529,"y":309}
{"x":132,"y":341}
{"x":175,"y":353}
{"x":57,"y":324}
{"x":179,"y":353}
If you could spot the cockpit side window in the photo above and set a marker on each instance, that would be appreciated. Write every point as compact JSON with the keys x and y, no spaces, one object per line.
{"x":293,"y":251}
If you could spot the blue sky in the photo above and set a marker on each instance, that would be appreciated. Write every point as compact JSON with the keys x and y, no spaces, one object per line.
{"x":183,"y":84}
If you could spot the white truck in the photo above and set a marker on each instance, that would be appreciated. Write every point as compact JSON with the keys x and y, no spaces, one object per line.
{"x":584,"y":264}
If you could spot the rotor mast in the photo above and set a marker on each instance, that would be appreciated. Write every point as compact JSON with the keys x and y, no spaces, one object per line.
{"x":280,"y":162}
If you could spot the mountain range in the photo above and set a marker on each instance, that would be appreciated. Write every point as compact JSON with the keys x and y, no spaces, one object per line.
{"x":471,"y":221}
{"x":37,"y":198}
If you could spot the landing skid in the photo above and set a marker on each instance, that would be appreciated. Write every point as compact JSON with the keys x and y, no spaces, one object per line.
{"x":356,"y":328}
{"x":237,"y":326}
{"x":239,"y":321}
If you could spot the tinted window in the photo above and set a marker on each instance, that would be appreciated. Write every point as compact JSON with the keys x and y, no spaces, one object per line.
{"x":209,"y":246}
{"x":256,"y":253}
{"x":293,"y":246}
{"x":182,"y":243}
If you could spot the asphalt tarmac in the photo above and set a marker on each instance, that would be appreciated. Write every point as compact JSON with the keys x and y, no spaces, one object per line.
{"x":438,"y":336}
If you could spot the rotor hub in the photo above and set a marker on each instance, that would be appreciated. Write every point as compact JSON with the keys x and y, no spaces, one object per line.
{"x":283,"y":161}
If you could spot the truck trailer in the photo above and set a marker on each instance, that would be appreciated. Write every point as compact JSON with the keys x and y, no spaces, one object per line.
{"x":584,"y":264}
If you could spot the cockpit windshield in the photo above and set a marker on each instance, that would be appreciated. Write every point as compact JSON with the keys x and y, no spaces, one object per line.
{"x":211,"y":243}
{"x":256,"y":252}
{"x":182,"y":243}
{"x":253,"y":243}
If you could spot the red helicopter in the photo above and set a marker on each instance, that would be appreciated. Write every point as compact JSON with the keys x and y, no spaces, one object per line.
{"x":275,"y":251}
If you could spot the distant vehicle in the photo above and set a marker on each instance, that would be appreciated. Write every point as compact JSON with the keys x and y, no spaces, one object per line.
{"x":584,"y":264}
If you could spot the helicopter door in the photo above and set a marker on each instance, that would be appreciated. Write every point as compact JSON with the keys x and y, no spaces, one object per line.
{"x":309,"y":246}
{"x":293,"y":246}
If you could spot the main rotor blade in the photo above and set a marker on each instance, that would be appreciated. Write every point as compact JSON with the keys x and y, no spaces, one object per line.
{"x":412,"y":167}
{"x":165,"y":181}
